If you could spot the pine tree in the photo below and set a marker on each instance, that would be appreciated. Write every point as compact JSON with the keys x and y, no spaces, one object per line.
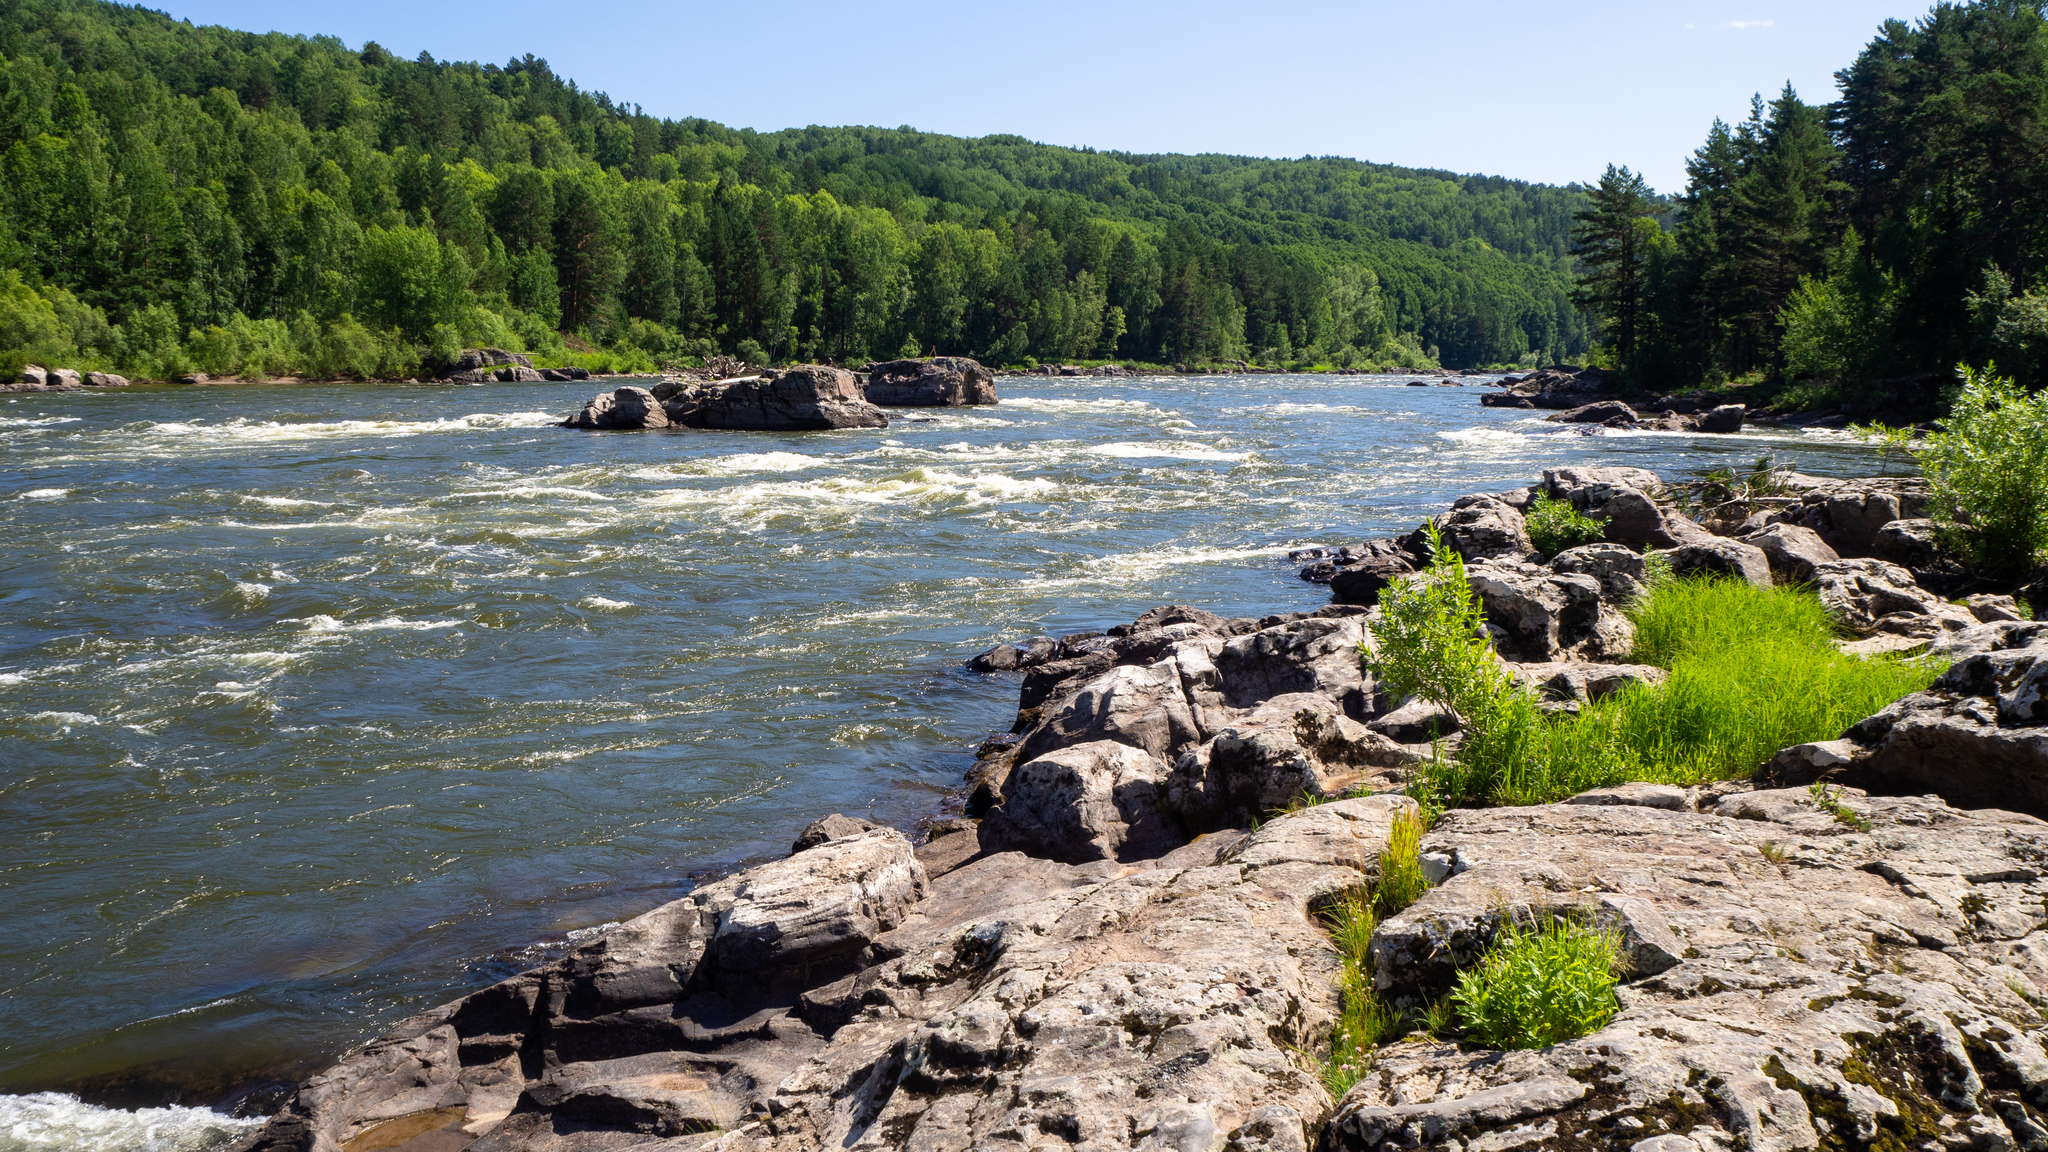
{"x":1611,"y":245}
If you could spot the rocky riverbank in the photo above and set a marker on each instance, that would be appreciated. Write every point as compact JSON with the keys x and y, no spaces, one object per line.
{"x":1119,"y":945}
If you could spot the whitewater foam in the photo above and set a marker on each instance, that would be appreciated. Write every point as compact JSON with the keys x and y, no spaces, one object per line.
{"x":44,"y":494}
{"x":57,"y":1122}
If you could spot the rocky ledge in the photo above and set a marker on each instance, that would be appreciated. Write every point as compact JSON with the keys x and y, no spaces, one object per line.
{"x":1113,"y":951}
{"x":937,"y":382}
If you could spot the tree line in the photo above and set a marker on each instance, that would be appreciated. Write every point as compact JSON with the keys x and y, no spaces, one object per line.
{"x":1857,"y":250}
{"x":180,"y":198}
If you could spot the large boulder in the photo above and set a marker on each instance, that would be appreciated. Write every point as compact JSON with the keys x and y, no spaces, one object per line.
{"x":1720,"y":556}
{"x":105,"y":380}
{"x":621,"y":410}
{"x":1093,"y":801}
{"x":939,"y":382}
{"x":1484,"y":528}
{"x":1793,"y":552}
{"x":805,"y":398}
{"x":1612,"y":412}
{"x":64,"y":378}
{"x":1145,"y":708}
{"x":1583,"y":487}
{"x":1907,"y":543}
{"x":1620,"y":571}
{"x":1289,"y":748}
{"x":1849,"y":513}
{"x":1362,"y":582}
{"x":1723,"y":419}
{"x":478,"y":359}
{"x":1633,"y":519}
{"x":1862,"y":593}
{"x":1539,"y":615}
{"x":1321,"y":655}
{"x":1796,"y":980}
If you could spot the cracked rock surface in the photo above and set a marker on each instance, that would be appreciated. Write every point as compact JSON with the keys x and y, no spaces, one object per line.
{"x":1799,"y":983}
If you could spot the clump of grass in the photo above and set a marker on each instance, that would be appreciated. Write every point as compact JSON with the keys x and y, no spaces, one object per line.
{"x":1752,"y":670}
{"x":1554,"y":525}
{"x":1401,"y":881}
{"x":1539,"y":986}
{"x":1366,"y":1021}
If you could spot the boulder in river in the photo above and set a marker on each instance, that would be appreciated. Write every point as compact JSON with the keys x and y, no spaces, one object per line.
{"x":626,"y":409}
{"x":104,"y":380}
{"x":806,"y":398}
{"x":936,"y":382}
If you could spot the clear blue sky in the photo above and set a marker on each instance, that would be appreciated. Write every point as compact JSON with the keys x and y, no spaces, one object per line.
{"x":1549,"y":92}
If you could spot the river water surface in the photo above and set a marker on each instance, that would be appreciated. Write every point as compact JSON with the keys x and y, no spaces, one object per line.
{"x":320,"y":705}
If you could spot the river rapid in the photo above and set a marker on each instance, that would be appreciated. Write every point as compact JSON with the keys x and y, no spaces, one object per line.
{"x":323,"y":704}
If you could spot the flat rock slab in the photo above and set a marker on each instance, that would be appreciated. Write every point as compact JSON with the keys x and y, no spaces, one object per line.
{"x":1800,"y":981}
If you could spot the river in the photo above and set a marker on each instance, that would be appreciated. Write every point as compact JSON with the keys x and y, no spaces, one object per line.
{"x":322,"y":704}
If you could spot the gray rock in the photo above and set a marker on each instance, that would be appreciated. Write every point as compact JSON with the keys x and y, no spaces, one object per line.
{"x":1635,"y":520}
{"x":34,"y":374}
{"x":808,"y":397}
{"x":1416,"y":721}
{"x":1543,"y":615}
{"x":1718,"y":555}
{"x":1292,"y":747}
{"x":1619,"y":570}
{"x":1318,"y":654}
{"x":105,"y":380}
{"x":1600,"y":412}
{"x":1723,"y":419}
{"x":1094,"y":801}
{"x":622,"y":410}
{"x":1583,"y":487}
{"x":63,"y":378}
{"x":1581,"y":681}
{"x":1992,"y":609}
{"x":1862,"y":592}
{"x":518,"y":375}
{"x":829,"y":828}
{"x":1483,"y":528}
{"x":1666,"y":796}
{"x":1907,"y":543}
{"x":476,"y":359}
{"x":1793,"y":551}
{"x":942,"y":381}
{"x":1823,"y":954}
{"x":1145,"y":708}
{"x":1363,"y":581}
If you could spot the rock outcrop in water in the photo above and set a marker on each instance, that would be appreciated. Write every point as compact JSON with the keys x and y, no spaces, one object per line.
{"x":35,"y":378}
{"x":806,"y":398}
{"x":1119,"y":954}
{"x":937,"y":382}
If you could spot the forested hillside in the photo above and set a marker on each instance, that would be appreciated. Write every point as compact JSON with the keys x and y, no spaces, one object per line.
{"x":181,"y":198}
{"x":1859,"y":249}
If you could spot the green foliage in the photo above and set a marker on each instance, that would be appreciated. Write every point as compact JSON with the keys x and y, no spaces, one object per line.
{"x":1614,"y":236}
{"x":1401,"y":881}
{"x":1752,"y":670}
{"x":220,"y":174}
{"x":1365,"y":1021}
{"x":1554,"y":525}
{"x":1988,"y":469}
{"x":1886,"y":235}
{"x":1539,"y":986}
{"x":1889,"y":440}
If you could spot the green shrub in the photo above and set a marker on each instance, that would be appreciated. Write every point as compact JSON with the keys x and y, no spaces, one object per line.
{"x":1540,"y":986}
{"x":1988,"y":469}
{"x":1554,"y":525}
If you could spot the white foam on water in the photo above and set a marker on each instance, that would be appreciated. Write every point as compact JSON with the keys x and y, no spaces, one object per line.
{"x":286,"y":502}
{"x":326,"y":623}
{"x":239,"y":431}
{"x":765,"y":462}
{"x":251,"y":591}
{"x":604,"y":604}
{"x":1056,"y":404}
{"x":37,"y":421}
{"x":1166,"y":450}
{"x":44,"y":494}
{"x":66,"y":719}
{"x":1485,"y":436}
{"x":534,"y":492}
{"x":57,"y":1122}
{"x":9,"y":678}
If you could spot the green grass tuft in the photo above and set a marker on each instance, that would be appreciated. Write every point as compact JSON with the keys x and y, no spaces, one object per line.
{"x":1540,"y":986}
{"x":1554,"y":525}
{"x":1401,"y":881}
{"x":1753,"y":670}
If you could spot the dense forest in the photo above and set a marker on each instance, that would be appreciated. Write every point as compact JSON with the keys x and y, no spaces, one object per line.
{"x":182,"y":198}
{"x":1850,"y":250}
